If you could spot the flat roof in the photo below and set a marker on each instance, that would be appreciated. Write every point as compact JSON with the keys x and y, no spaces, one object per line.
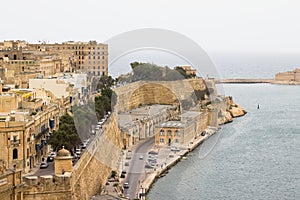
{"x":172,"y":124}
{"x":190,"y":114}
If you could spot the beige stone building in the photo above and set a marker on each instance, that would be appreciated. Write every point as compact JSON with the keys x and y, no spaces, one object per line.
{"x":179,"y":132}
{"x":89,"y":57}
{"x":10,"y":183}
{"x":139,"y":123}
{"x":290,"y":76}
{"x":25,"y":127}
{"x":189,"y":71}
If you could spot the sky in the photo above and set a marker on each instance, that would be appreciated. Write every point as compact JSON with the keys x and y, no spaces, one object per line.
{"x":218,"y":26}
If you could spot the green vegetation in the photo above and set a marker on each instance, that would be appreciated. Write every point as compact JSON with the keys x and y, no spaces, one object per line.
{"x":113,"y":174}
{"x":115,"y":184}
{"x":151,"y":72}
{"x":84,"y":117}
{"x":105,"y":102}
{"x":66,"y":135}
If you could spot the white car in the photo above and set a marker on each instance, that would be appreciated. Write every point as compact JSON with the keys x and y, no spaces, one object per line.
{"x":141,"y":157}
{"x":78,"y":152}
{"x":126,"y":185}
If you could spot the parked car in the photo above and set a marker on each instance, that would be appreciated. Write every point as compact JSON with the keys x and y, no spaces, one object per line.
{"x":53,"y":154}
{"x":141,"y":157}
{"x":44,"y":165}
{"x":50,"y":159}
{"x":126,"y":185}
{"x":78,"y":152}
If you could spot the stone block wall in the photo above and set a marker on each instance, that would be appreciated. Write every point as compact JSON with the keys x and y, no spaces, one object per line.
{"x":47,"y":188}
{"x":92,"y":170}
{"x":159,"y":92}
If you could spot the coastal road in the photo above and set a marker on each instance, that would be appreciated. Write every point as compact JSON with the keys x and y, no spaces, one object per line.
{"x":137,"y":168}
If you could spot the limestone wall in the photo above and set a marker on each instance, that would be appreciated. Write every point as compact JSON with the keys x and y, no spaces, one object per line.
{"x":89,"y":174}
{"x":92,"y":170}
{"x":47,"y":188}
{"x":288,"y":76}
{"x":159,"y":92}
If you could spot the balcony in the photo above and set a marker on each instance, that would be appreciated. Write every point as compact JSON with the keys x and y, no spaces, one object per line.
{"x":15,"y":143}
{"x":42,"y":133}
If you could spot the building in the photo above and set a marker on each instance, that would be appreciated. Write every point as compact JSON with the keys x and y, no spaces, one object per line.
{"x":290,"y":76}
{"x":20,"y":61}
{"x":183,"y":131}
{"x":25,"y":127}
{"x":10,"y":183}
{"x":89,"y":57}
{"x":188,"y":71}
{"x":139,"y":123}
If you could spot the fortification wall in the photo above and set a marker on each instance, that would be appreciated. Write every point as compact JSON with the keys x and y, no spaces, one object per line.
{"x":88,"y":175}
{"x":159,"y":92}
{"x":288,"y":76}
{"x":92,"y":170}
{"x":47,"y":188}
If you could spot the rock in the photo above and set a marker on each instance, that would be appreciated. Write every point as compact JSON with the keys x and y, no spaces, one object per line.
{"x":237,"y":111}
{"x":228,"y":117}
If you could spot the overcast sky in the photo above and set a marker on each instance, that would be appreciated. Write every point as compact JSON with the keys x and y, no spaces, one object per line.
{"x":217,"y":25}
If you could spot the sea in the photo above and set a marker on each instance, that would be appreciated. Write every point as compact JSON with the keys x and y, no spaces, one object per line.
{"x":257,"y":156}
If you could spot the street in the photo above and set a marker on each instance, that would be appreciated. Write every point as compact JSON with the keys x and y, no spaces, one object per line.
{"x":137,"y":168}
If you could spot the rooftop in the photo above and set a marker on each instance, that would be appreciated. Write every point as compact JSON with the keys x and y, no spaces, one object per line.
{"x":172,"y":124}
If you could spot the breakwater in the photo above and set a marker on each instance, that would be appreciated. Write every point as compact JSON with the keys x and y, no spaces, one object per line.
{"x":243,"y":81}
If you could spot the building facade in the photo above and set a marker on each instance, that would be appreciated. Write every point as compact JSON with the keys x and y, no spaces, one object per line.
{"x":88,"y":57}
{"x":183,"y":131}
{"x":10,"y":183}
{"x":25,"y":128}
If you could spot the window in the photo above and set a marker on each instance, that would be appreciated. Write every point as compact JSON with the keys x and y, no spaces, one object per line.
{"x":177,"y":133}
{"x":98,"y":73}
{"x":162,"y":133}
{"x":176,"y":141}
{"x":98,"y":57}
{"x":169,"y":133}
{"x":15,"y":138}
{"x":98,"y":67}
{"x":162,"y":140}
{"x":15,"y":154}
{"x":102,"y":57}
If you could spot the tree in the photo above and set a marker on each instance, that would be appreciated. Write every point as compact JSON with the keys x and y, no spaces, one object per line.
{"x":105,"y":82}
{"x":66,"y":135}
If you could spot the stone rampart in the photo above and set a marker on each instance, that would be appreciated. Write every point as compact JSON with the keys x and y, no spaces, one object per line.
{"x":47,"y":187}
{"x":90,"y":173}
{"x":160,"y":92}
